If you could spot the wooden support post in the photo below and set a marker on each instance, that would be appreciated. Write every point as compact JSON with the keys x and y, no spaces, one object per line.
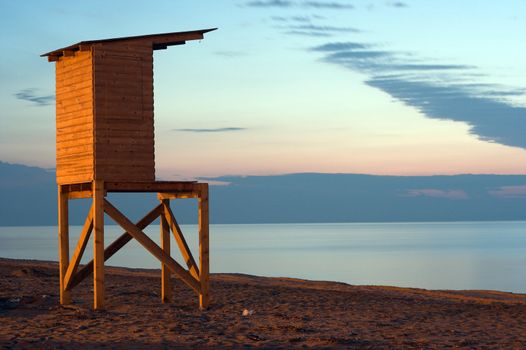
{"x":204,"y":297}
{"x":98,"y":244}
{"x":63,"y":243}
{"x":166,"y":283}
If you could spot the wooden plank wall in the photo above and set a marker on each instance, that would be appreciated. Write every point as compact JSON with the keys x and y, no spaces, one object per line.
{"x":124,"y":129}
{"x":74,"y":144}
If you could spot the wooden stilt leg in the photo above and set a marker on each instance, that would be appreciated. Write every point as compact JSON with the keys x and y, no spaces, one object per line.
{"x":197,"y":275}
{"x":166,"y":283}
{"x":203,"y":247}
{"x":98,"y":244}
{"x":63,"y":243}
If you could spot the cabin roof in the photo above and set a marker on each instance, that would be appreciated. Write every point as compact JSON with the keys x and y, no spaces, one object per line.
{"x":158,"y":41}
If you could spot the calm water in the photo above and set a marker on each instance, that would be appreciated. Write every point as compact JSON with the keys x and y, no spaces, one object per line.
{"x":466,"y":255}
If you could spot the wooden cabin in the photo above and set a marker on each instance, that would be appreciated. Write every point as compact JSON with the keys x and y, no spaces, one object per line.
{"x":104,"y":107}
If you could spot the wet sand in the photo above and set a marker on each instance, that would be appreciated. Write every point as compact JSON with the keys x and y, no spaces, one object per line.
{"x":281,"y":313}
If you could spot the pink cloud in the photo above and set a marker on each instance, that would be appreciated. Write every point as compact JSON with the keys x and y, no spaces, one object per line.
{"x":510,"y":191}
{"x":430,"y":192}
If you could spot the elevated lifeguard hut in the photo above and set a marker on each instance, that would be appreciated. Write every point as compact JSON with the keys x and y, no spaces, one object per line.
{"x":105,"y":143}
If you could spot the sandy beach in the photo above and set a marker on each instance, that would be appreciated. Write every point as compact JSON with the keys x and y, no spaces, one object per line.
{"x":280,"y":313}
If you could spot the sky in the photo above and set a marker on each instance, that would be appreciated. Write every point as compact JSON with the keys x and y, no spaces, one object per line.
{"x":285,"y":86}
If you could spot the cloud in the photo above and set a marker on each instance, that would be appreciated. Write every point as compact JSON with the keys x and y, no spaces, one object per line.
{"x":341,"y":46}
{"x":298,"y":19}
{"x":350,"y":57}
{"x":317,"y":30}
{"x":364,"y":57}
{"x":398,"y":4}
{"x":270,"y":3}
{"x":328,"y":5}
{"x":501,"y":93}
{"x":30,"y":96}
{"x":422,"y":66}
{"x":491,"y":120}
{"x":198,"y":130}
{"x":331,"y":5}
{"x":509,"y":191}
{"x":434,"y":193}
{"x":435,"y":89}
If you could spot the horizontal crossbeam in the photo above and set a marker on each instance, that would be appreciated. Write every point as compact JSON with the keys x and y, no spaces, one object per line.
{"x":178,"y":195}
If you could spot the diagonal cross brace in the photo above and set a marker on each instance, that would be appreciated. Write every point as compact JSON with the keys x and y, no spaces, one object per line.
{"x":79,"y":250}
{"x":181,"y":242}
{"x":113,"y":248}
{"x":151,"y":246}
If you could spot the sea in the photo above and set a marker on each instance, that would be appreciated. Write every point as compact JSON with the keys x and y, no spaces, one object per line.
{"x":430,"y":255}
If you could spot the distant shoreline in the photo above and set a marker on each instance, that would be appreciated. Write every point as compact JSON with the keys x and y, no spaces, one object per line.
{"x":291,"y":198}
{"x":284,"y":313}
{"x":315,"y":223}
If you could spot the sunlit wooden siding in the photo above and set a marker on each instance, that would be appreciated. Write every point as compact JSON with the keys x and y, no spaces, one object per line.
{"x":105,"y":114}
{"x":123,"y":114}
{"x":74,"y":103}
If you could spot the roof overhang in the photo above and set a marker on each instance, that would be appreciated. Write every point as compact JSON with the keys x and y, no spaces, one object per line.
{"x":157,"y":41}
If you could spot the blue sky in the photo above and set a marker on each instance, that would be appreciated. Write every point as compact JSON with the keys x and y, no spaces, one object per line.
{"x":381,"y":87}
